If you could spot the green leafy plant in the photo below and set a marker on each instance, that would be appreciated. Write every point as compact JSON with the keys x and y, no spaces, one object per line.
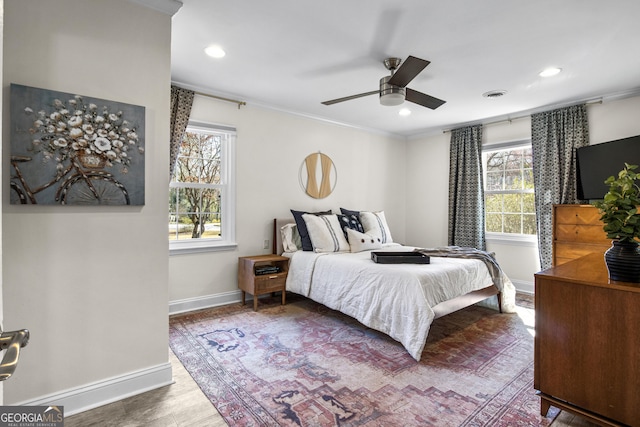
{"x":619,"y":208}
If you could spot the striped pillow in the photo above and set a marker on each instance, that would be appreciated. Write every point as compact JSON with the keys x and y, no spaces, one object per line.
{"x":325,"y":233}
{"x":375,"y":224}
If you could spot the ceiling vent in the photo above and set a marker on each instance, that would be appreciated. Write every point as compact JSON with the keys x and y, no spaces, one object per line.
{"x":494,"y":93}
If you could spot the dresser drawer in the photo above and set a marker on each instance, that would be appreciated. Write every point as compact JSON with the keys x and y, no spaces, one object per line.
{"x":270,"y":283}
{"x":581,"y":233}
{"x":577,"y":214}
{"x":577,"y":250}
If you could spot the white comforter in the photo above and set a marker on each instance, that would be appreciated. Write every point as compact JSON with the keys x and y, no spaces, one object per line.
{"x":392,"y":298}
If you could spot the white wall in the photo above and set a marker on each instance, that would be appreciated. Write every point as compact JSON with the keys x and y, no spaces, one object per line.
{"x":89,"y":283}
{"x":271,"y":146}
{"x":428,"y":171}
{"x":614,"y":120}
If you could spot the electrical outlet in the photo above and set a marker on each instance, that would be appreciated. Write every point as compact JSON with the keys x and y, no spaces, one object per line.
{"x":265,"y":245}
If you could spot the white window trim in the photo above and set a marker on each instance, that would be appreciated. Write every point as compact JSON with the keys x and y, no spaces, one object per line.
{"x":228,"y":193}
{"x":512,"y":239}
{"x":509,"y":238}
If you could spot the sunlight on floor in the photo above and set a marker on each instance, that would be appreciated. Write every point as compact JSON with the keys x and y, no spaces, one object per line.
{"x":528,"y":317}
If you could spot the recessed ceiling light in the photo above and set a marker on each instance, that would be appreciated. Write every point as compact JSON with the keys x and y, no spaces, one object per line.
{"x":404,"y":112}
{"x":215,"y":51}
{"x":548,"y":72}
{"x":494,"y":93}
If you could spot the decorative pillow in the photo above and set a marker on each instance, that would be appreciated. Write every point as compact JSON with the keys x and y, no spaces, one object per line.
{"x":375,"y":224}
{"x":362,"y":242}
{"x":302,"y":227}
{"x":350,"y":221}
{"x":325,"y":233}
{"x":349,"y":212}
{"x":290,"y":238}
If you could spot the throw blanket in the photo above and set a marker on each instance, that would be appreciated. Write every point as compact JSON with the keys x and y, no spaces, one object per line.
{"x":502,"y":282}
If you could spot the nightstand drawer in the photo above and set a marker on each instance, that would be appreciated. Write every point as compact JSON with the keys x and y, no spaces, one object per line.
{"x":270,"y":282}
{"x":258,"y":284}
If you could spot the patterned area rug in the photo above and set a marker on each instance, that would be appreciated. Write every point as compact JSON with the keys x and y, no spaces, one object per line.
{"x":305,"y":365}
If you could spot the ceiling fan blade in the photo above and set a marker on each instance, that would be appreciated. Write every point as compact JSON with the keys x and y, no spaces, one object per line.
{"x":348,"y":98}
{"x":408,"y":70}
{"x":423,"y":99}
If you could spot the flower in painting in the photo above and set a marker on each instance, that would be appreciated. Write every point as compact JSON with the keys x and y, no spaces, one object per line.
{"x":73,"y":127}
{"x":76,"y":133}
{"x":102,"y":144}
{"x":75,"y":121}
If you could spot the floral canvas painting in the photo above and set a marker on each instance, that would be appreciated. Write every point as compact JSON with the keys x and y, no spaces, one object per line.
{"x":69,"y":149}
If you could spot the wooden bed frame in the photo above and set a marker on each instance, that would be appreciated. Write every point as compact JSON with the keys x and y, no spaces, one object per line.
{"x":442,"y":309}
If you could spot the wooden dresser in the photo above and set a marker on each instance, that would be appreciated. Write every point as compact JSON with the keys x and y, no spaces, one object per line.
{"x":577,"y":231}
{"x":587,"y":342}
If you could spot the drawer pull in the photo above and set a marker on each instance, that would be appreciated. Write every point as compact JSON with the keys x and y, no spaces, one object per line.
{"x":273,"y":277}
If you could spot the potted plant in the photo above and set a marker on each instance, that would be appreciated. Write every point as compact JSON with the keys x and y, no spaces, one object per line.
{"x":621,"y":219}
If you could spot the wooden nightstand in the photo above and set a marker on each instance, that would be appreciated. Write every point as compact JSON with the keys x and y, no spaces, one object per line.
{"x":257,"y":284}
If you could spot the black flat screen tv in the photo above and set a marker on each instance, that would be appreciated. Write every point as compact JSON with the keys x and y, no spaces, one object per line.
{"x":596,"y":163}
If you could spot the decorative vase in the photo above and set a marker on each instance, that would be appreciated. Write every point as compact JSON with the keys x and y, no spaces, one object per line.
{"x":623,"y":261}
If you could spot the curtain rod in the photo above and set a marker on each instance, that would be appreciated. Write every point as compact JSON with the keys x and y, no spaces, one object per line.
{"x":521,"y":117}
{"x":240,"y":103}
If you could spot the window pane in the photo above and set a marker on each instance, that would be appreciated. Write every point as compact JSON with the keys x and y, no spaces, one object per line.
{"x":493,"y":203}
{"x":513,"y":180}
{"x":528,"y":179}
{"x":493,"y":223}
{"x":513,"y":223}
{"x":527,"y":158}
{"x":529,"y":224}
{"x":509,"y":173}
{"x":199,"y":159}
{"x":495,"y":161}
{"x":529,"y":203}
{"x":512,"y":203}
{"x":494,"y":181}
{"x":210,"y":200}
{"x":513,"y":160}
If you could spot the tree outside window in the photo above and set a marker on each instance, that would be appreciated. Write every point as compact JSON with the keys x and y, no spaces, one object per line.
{"x":509,"y":191}
{"x":196,"y":190}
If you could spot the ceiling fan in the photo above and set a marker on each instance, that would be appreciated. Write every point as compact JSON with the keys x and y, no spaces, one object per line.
{"x":393,"y":90}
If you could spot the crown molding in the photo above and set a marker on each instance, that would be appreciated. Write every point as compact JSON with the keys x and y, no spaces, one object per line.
{"x":170,"y":7}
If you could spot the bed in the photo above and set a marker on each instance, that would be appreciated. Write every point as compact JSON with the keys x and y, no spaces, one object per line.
{"x":400,"y":300}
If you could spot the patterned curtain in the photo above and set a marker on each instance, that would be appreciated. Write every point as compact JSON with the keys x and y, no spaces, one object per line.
{"x":181,"y":102}
{"x":466,"y":188}
{"x":555,"y":136}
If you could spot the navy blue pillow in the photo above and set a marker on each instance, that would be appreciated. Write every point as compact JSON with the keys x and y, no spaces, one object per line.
{"x":302,"y":227}
{"x":350,"y":221}
{"x":349,"y":212}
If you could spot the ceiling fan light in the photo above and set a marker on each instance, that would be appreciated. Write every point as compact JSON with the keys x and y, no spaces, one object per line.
{"x":390,"y":95}
{"x":392,"y":99}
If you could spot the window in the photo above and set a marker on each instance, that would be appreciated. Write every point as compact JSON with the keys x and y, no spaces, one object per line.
{"x":202,"y":190}
{"x":508,"y":193}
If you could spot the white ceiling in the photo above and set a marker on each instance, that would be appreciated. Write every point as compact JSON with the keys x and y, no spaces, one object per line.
{"x":292,"y":55}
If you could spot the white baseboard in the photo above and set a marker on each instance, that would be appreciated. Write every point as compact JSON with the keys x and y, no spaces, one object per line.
{"x":207,"y":301}
{"x":524,"y":286}
{"x":107,"y":391}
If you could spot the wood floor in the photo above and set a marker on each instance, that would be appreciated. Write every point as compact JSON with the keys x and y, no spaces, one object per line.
{"x":183,"y":404}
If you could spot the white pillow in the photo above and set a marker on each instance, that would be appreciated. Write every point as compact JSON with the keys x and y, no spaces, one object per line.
{"x":291,"y":241}
{"x":375,"y":224}
{"x":362,"y":242}
{"x":325,"y":233}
